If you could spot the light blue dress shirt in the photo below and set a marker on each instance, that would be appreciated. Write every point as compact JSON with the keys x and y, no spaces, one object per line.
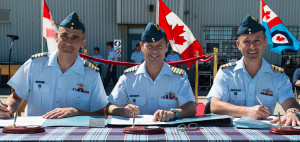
{"x":138,"y":57}
{"x":99,"y":57}
{"x":151,"y":95}
{"x":172,"y":58}
{"x":112,"y":54}
{"x":41,"y":82}
{"x":234,"y":85}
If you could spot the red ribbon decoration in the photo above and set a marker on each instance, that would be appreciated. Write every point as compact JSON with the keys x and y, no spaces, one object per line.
{"x":201,"y":58}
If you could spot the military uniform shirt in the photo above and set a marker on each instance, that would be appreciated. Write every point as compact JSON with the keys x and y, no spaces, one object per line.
{"x":167,"y":91}
{"x":99,"y":57}
{"x":138,"y":57}
{"x":41,"y":82}
{"x":112,"y":54}
{"x":234,"y":85}
{"x":172,"y":58}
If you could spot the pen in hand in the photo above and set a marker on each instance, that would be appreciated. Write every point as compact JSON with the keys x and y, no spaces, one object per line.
{"x":260,"y":102}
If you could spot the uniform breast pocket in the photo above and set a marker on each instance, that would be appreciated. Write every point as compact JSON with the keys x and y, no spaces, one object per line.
{"x":166,"y":104}
{"x":138,"y":101}
{"x":79,"y":100}
{"x":40,"y":92}
{"x":237,"y":98}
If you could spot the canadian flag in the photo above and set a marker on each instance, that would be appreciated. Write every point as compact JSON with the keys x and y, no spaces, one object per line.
{"x":180,"y":36}
{"x":49,"y":28}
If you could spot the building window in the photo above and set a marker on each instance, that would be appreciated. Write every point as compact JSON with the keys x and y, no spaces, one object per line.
{"x":4,"y":16}
{"x":223,"y":38}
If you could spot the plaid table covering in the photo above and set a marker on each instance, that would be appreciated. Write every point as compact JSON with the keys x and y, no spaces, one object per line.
{"x":206,"y":133}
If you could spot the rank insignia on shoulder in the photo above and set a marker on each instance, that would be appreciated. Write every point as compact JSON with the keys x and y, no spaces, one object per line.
{"x":228,"y":65}
{"x":177,"y":70}
{"x":38,"y":55}
{"x":90,"y":65}
{"x":276,"y":68}
{"x":134,"y":68}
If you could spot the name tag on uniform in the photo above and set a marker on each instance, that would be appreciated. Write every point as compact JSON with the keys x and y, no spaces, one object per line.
{"x":37,"y":81}
{"x":134,"y":95}
{"x":235,"y":90}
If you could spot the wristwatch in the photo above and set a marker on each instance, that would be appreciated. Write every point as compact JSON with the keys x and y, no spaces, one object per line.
{"x":175,"y":110}
{"x":296,"y":112}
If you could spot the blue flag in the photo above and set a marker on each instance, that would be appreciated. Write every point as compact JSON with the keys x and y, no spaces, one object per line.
{"x":279,"y":37}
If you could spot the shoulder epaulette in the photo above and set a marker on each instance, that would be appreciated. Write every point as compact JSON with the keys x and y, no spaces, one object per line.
{"x":90,"y":65}
{"x":134,"y":68}
{"x":276,"y":68}
{"x":38,"y":55}
{"x":177,"y":70}
{"x":228,"y":65}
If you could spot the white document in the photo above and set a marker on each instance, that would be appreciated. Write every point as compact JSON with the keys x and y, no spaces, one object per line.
{"x":147,"y":120}
{"x":139,"y":120}
{"x":22,"y":121}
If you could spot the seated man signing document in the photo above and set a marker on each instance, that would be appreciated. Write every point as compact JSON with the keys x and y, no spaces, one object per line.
{"x":240,"y":86}
{"x":153,"y":87}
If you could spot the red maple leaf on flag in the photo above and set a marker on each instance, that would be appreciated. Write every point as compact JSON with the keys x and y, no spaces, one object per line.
{"x":268,"y":14}
{"x":176,"y":32}
{"x":278,"y":38}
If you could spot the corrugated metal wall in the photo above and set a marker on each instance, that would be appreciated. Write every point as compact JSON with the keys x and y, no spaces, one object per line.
{"x":106,"y":20}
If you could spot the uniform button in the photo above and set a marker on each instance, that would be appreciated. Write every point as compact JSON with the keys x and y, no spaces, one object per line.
{"x":58,"y":88}
{"x":78,"y":97}
{"x":56,"y":101}
{"x":151,"y":98}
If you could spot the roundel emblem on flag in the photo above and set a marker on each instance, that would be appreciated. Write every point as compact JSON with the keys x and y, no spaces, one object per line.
{"x":280,"y":38}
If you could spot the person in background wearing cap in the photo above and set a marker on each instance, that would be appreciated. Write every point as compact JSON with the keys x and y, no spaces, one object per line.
{"x":112,"y":69}
{"x":172,"y":57}
{"x":153,"y":87}
{"x":137,"y":56}
{"x":237,"y":85}
{"x":58,"y":84}
{"x":97,"y":55}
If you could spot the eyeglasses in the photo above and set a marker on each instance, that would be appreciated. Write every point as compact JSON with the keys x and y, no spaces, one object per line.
{"x":190,"y":127}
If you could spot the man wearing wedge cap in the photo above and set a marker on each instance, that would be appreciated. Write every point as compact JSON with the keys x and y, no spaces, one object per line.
{"x":58,"y":84}
{"x":153,"y":87}
{"x":240,"y":86}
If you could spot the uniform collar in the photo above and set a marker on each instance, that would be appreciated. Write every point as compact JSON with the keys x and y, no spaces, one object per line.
{"x":77,"y":67}
{"x":165,"y":70}
{"x":265,"y":67}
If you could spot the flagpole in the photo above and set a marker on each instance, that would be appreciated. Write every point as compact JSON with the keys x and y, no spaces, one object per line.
{"x":157,"y":12}
{"x":260,"y":12}
{"x":42,"y":13}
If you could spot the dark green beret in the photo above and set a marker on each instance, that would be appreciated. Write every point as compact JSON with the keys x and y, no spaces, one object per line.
{"x":153,"y":33}
{"x":250,"y":26}
{"x":73,"y":22}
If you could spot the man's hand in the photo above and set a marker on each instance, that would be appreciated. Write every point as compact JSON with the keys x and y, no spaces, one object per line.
{"x":61,"y":113}
{"x":4,"y":111}
{"x":258,"y":112}
{"x":163,"y":116}
{"x":110,"y":70}
{"x":129,"y":109}
{"x":288,"y":119}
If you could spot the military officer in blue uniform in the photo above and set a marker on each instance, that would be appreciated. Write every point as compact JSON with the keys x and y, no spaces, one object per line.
{"x":112,"y":69}
{"x":237,"y":85}
{"x":58,"y":84}
{"x":137,"y":56}
{"x":153,"y":88}
{"x":97,"y":55}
